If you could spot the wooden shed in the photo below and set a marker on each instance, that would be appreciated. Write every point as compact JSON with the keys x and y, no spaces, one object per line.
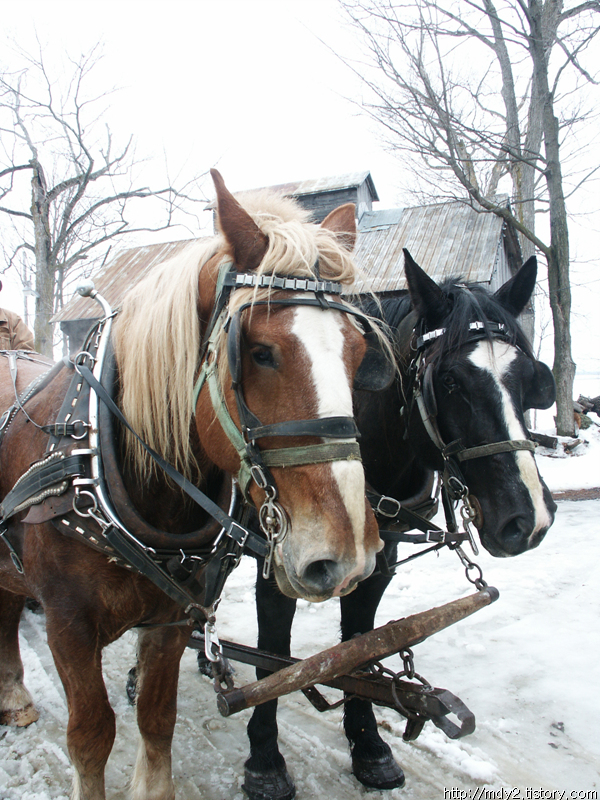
{"x":446,"y":239}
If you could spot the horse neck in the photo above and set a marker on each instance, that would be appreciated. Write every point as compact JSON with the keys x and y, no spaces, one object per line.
{"x":415,"y":456}
{"x":390,"y":462}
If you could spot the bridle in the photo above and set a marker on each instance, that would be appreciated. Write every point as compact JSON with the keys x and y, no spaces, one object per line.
{"x":452,"y":485}
{"x":255,"y":463}
{"x":454,"y":453}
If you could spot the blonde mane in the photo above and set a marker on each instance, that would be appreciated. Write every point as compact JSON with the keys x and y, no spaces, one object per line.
{"x":157,"y":332}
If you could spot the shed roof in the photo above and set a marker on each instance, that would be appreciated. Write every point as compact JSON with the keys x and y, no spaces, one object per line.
{"x":115,"y":280}
{"x":334,"y":183}
{"x":446,"y":239}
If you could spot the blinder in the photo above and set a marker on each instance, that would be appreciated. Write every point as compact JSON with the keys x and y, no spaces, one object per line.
{"x":428,"y":391}
{"x":234,"y":349}
{"x":376,"y":371}
{"x":541,"y":393}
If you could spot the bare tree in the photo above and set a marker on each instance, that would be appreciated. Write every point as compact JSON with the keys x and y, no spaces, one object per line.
{"x":66,"y":188}
{"x":482,"y":94}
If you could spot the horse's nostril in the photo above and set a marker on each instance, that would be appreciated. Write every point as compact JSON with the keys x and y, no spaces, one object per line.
{"x":514,"y":536}
{"x":321,"y":575}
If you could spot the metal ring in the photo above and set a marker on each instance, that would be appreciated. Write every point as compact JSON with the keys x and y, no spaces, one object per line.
{"x":86,"y":425}
{"x":471,"y":566}
{"x":79,"y":358}
{"x":89,"y":511}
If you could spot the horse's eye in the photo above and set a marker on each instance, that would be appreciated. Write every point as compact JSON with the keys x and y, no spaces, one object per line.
{"x":263,"y":357}
{"x":449,"y":382}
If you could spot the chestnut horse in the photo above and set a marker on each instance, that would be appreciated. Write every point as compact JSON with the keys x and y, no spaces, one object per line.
{"x":296,"y":363}
{"x":460,"y":349}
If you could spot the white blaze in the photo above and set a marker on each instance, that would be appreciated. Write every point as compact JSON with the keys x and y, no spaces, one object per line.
{"x":496,"y":358}
{"x":321,"y":334}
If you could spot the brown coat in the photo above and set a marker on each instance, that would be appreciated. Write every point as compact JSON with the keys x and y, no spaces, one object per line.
{"x":14,"y":334}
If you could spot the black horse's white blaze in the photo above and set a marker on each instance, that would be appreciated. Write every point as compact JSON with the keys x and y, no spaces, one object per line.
{"x":496,"y":359}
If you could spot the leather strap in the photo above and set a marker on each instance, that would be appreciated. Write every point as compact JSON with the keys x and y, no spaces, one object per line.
{"x":494,"y":447}
{"x":38,"y":479}
{"x":245,"y":538}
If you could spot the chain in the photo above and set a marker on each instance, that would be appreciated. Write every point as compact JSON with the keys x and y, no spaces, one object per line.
{"x":470,"y":568}
{"x":468,"y":514}
{"x":408,"y":672}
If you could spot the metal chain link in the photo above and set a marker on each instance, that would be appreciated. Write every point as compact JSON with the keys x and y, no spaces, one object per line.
{"x":470,"y":567}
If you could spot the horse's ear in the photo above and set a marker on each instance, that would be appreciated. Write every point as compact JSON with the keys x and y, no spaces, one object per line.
{"x":342,"y":222}
{"x":427,"y":298}
{"x":248,"y":243}
{"x":515,"y":293}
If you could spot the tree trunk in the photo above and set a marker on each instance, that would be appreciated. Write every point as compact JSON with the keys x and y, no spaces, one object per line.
{"x":543,"y":36}
{"x":44,"y":272}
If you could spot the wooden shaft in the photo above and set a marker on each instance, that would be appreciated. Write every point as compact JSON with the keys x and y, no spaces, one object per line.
{"x":346,"y":656}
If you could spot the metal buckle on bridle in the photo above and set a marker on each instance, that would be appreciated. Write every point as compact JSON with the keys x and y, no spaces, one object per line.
{"x":80,"y":359}
{"x":274,"y":524}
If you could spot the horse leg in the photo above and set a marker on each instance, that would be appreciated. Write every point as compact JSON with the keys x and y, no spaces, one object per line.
{"x":372,"y":761}
{"x":16,"y":704}
{"x":265,"y":773}
{"x":159,"y":654}
{"x":77,"y":652}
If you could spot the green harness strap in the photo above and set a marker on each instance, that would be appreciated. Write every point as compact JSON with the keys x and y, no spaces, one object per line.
{"x":320,"y":453}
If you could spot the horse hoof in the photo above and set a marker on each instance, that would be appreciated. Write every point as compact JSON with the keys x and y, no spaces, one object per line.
{"x":20,"y":717}
{"x":378,"y":773}
{"x":271,"y":784}
{"x":131,"y":686}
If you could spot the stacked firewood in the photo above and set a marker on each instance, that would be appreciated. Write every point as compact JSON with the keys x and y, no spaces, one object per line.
{"x":582,"y":406}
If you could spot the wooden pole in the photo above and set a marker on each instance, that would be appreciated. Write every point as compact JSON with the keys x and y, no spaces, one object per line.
{"x":347,"y":656}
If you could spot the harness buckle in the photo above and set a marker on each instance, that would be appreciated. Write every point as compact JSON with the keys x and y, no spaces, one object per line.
{"x":392,"y":511}
{"x":238,"y":533}
{"x":259,"y":475}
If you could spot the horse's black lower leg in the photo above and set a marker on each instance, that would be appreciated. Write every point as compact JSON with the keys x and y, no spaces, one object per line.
{"x":372,"y":761}
{"x":265,"y":773}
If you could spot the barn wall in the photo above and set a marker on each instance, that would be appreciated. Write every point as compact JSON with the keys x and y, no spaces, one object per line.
{"x":321,"y":204}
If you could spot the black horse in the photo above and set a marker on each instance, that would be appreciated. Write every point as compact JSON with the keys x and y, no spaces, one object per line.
{"x":466,"y":376}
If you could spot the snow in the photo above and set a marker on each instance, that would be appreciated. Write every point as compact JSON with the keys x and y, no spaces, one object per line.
{"x":527,"y":666}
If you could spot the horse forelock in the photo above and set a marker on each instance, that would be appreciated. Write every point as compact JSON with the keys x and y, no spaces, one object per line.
{"x":157,"y":332}
{"x":294,"y":243}
{"x":472,"y":303}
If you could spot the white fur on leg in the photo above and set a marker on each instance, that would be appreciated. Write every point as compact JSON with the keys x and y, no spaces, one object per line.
{"x":76,"y":788}
{"x":16,"y":706}
{"x":90,"y":788}
{"x":152,"y":781}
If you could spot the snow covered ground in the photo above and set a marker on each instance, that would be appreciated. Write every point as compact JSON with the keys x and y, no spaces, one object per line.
{"x":528,"y":667}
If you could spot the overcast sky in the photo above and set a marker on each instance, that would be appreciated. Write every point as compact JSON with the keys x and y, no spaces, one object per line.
{"x":244,"y":85}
